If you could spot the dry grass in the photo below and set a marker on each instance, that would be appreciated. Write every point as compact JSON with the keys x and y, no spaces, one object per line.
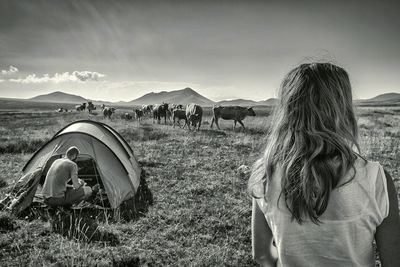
{"x":201,"y":212}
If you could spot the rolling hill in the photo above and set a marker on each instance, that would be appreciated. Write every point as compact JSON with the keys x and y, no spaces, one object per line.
{"x":184,"y":96}
{"x":387,"y":99}
{"x":58,"y":97}
{"x":269,"y":102}
{"x":238,"y":102}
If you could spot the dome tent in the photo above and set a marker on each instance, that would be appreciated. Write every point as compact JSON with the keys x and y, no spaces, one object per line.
{"x":105,"y":158}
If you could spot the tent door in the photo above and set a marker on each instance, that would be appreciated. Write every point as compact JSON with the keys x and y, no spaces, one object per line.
{"x":87,"y":169}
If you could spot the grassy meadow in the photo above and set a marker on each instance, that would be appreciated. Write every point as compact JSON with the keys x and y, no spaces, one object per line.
{"x":201,"y":212}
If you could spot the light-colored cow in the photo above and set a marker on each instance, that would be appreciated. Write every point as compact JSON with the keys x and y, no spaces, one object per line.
{"x":194,"y":115}
{"x":147,"y":109}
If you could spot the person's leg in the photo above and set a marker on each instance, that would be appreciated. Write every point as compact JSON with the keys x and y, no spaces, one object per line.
{"x":73,"y":196}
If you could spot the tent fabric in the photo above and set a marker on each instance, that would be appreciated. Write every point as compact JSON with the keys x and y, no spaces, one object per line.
{"x":23,"y":192}
{"x":116,"y":164}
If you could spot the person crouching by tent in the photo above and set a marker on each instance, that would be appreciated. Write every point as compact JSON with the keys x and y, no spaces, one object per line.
{"x":56,"y":191}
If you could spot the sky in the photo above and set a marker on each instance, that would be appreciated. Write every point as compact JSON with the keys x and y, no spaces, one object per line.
{"x":121,"y":50}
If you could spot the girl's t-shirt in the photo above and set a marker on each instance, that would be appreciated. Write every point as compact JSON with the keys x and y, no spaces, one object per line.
{"x":346,"y":232}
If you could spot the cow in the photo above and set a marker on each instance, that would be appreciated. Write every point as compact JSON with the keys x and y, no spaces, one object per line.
{"x":194,"y":115}
{"x":235,"y":113}
{"x":139,"y":114}
{"x":90,"y":106}
{"x":108,"y":111}
{"x":177,"y":115}
{"x":81,"y":107}
{"x":127,"y":116}
{"x":147,"y":109}
{"x":160,"y":110}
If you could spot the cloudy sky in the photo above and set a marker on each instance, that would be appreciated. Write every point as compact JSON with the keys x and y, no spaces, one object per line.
{"x":120,"y":50}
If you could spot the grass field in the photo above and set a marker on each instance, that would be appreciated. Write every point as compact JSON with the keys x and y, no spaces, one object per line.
{"x":201,"y":212}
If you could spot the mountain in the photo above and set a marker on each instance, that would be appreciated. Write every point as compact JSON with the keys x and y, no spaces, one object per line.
{"x":239,"y":102}
{"x":269,"y":102}
{"x":58,"y":97}
{"x":387,"y":99}
{"x":184,"y":96}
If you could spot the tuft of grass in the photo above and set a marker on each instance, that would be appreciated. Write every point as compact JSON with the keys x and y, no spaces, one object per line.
{"x":21,"y":146}
{"x":7,"y":222}
{"x":3,"y":183}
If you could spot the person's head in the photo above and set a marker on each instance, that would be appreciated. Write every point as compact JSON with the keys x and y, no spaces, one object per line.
{"x":312,"y":136}
{"x":72,"y":153}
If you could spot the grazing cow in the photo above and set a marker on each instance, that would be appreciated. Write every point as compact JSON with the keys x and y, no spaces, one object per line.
{"x":81,"y":107}
{"x":235,"y":113}
{"x":108,"y":111}
{"x":90,"y":107}
{"x":177,"y":115}
{"x":127,"y":116}
{"x":194,"y":115}
{"x":139,"y":114}
{"x":147,"y":109}
{"x":160,"y":110}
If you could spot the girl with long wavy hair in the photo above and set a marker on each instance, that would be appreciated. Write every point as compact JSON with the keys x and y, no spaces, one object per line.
{"x":316,"y":201}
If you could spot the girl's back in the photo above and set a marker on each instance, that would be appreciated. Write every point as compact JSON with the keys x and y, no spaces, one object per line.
{"x":314,"y":196}
{"x":346,"y":232}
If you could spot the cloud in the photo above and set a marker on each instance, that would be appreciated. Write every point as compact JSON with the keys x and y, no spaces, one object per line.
{"x":75,"y":76}
{"x":88,"y":75}
{"x":1,"y":80}
{"x":11,"y":70}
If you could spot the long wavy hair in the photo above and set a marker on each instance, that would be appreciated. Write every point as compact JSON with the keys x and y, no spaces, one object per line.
{"x":311,"y":139}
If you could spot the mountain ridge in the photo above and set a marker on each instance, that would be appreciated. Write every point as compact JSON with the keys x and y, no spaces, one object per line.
{"x":182,"y":96}
{"x":188,"y":95}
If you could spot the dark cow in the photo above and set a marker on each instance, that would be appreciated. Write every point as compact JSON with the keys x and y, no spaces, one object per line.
{"x":139,"y":114}
{"x":177,"y":115}
{"x":160,"y":110}
{"x":235,"y":113}
{"x":194,"y":115}
{"x":81,"y":107}
{"x":90,"y":107}
{"x":127,"y":116}
{"x":108,"y":111}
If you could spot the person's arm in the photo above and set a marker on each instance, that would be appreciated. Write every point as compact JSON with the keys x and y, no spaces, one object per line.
{"x":262,"y":238}
{"x":387,"y":235}
{"x":74,"y":177}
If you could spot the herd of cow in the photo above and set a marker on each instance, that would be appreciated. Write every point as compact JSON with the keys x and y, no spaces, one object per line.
{"x":192,"y":114}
